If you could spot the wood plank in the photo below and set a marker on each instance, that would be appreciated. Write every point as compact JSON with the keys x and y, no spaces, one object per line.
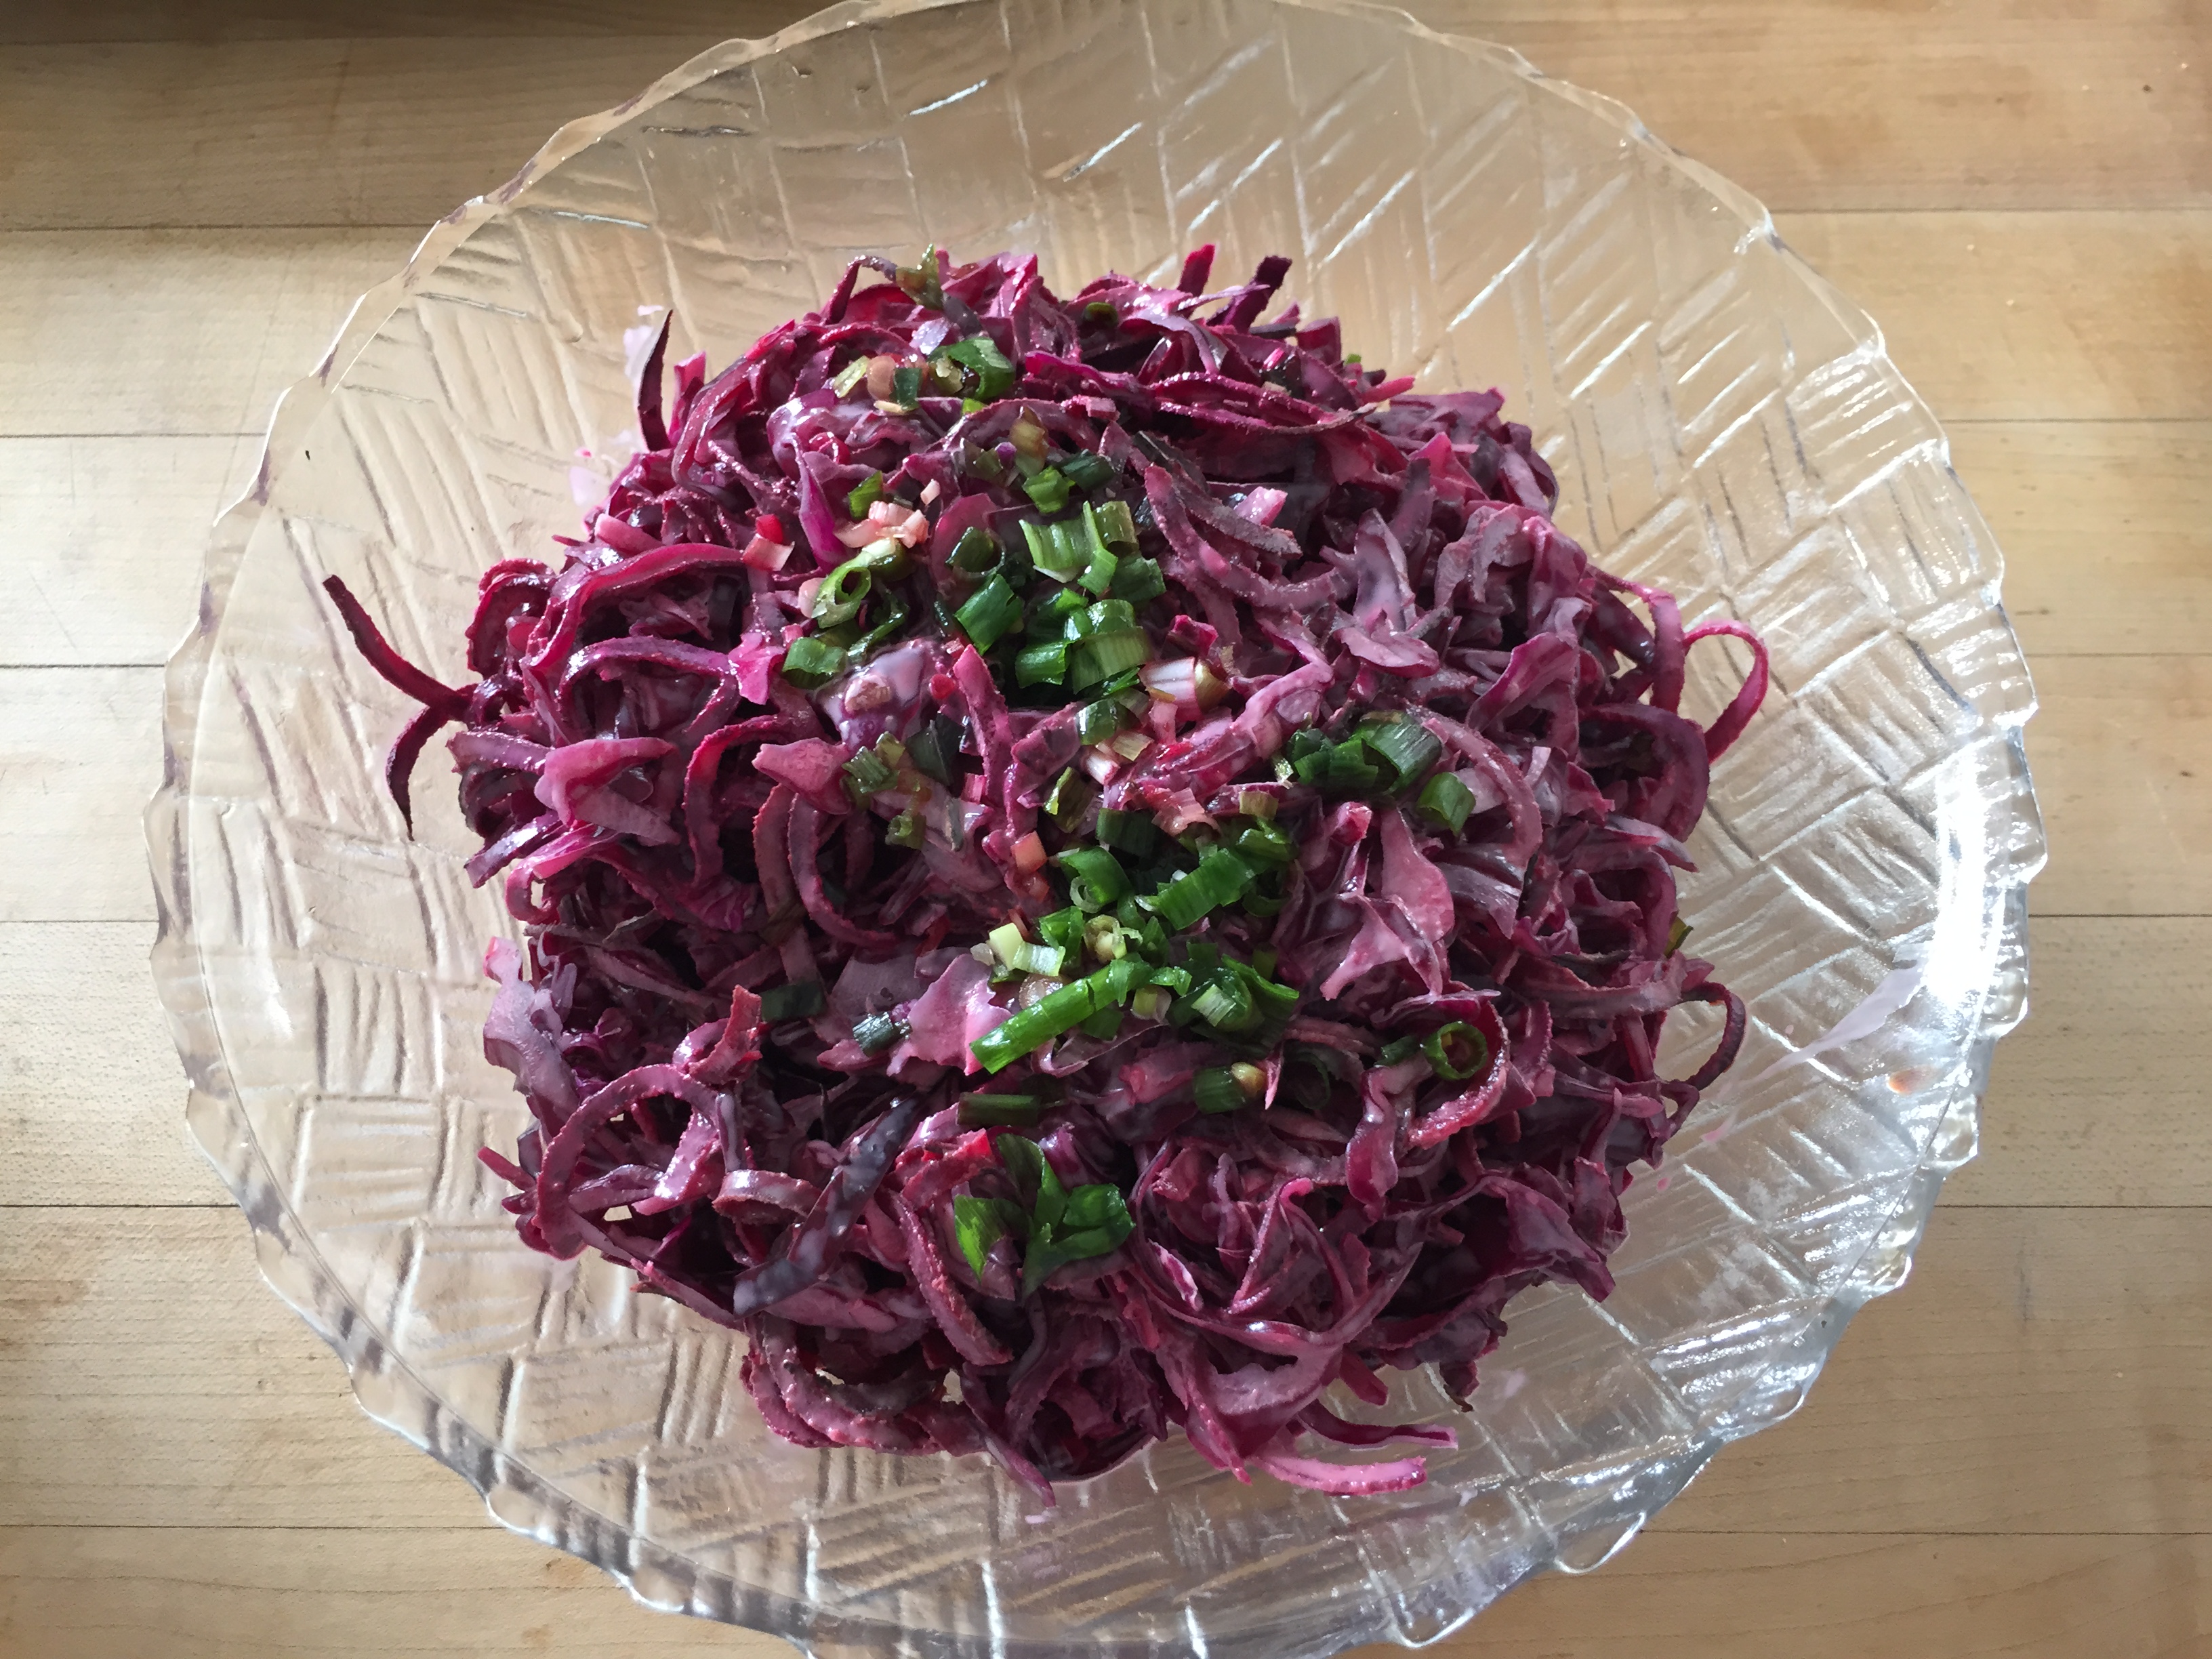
{"x":2105,"y":1095}
{"x":1813,"y":107}
{"x":2107,"y":323}
{"x":105,"y":537}
{"x":173,"y":332}
{"x":2032,"y":316}
{"x":2119,"y":750}
{"x":91,"y":1092}
{"x":2106,"y":529}
{"x":2043,"y":1372}
{"x":181,"y":1593}
{"x":79,"y":754}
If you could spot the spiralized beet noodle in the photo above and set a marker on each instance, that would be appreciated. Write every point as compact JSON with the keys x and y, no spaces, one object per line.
{"x":1090,"y":868}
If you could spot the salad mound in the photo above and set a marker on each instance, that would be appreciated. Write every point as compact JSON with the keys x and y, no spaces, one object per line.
{"x":1090,"y":868}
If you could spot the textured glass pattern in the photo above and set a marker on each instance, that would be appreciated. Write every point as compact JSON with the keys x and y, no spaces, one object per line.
{"x":1723,"y":424}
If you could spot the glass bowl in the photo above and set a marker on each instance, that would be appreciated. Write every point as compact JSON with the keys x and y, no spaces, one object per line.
{"x":1723,"y":424}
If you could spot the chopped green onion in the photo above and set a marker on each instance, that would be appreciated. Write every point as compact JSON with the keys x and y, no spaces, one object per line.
{"x":1046,"y":959}
{"x":906,"y":385}
{"x":1447,"y":801}
{"x":1086,"y":470}
{"x":1152,"y":1002}
{"x":1341,"y":766}
{"x":1224,"y":1003}
{"x":1263,"y":962}
{"x":1220,"y":878}
{"x":865,"y":774}
{"x":924,"y":282}
{"x":1250,"y":1078}
{"x":990,"y":611}
{"x":1054,"y":551}
{"x":1118,"y":525}
{"x":1059,"y":1011}
{"x":980,"y":1111}
{"x":1099,"y":871}
{"x":934,"y":749}
{"x":1133,"y":832}
{"x":864,"y":495}
{"x":1112,"y":616}
{"x":799,"y":999}
{"x":847,"y":378}
{"x":1040,"y":664}
{"x":1264,"y":843}
{"x":1106,"y":1022}
{"x":1677,"y":932}
{"x":980,"y":1223}
{"x":1176,"y":980}
{"x":1102,"y":311}
{"x":1091,"y":1221}
{"x":905,"y":829}
{"x":1408,"y":744}
{"x":983,"y":463}
{"x":809,"y":662}
{"x":1102,"y":937}
{"x":1256,"y":804}
{"x":994,"y":376}
{"x":843,"y":591}
{"x":1457,"y":1051}
{"x":1071,"y":792}
{"x":1103,"y":655}
{"x":1398,"y":1050}
{"x":1098,"y":574}
{"x":1263,"y":904}
{"x":1098,"y":722}
{"x":1048,"y":489}
{"x":976,"y":552}
{"x":1027,"y":437}
{"x":1005,"y":939}
{"x":877,"y":1032}
{"x":1063,"y":928}
{"x":1138,"y":580}
{"x":1217,"y":1089}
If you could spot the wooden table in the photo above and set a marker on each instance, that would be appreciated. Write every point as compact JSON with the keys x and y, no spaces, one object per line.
{"x":2013,"y":1455}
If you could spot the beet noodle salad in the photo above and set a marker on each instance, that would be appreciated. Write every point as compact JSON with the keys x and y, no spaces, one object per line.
{"x":1089,"y":866}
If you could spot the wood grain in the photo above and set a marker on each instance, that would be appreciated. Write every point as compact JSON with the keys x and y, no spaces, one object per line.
{"x":106,"y":536}
{"x":217,"y":323}
{"x":80,"y":754}
{"x":1812,"y":107}
{"x":2104,"y":1097}
{"x":2122,"y":754}
{"x":2032,"y":316}
{"x":91,"y":1096}
{"x":2106,"y":529}
{"x":188,"y":1593}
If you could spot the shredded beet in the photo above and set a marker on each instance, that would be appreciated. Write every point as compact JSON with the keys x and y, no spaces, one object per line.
{"x":1090,"y":868}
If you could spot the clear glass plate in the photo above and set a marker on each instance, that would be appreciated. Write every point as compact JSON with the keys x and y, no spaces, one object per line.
{"x":1723,"y":423}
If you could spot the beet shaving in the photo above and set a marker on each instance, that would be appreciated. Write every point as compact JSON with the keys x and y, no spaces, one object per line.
{"x":1090,"y":867}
